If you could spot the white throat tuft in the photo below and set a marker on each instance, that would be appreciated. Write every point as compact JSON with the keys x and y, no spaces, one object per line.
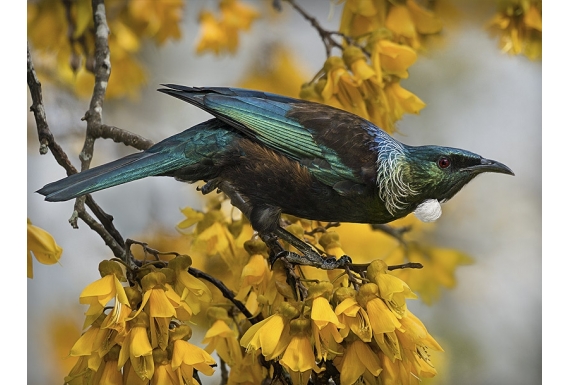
{"x":428,"y":211}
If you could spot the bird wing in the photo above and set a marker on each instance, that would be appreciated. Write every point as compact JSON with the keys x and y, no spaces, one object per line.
{"x":309,"y":133}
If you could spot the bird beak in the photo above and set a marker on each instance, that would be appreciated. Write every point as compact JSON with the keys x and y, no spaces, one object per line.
{"x":488,"y":165}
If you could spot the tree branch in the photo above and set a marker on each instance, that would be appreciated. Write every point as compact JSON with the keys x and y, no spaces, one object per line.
{"x":108,"y":232}
{"x":226,"y":292}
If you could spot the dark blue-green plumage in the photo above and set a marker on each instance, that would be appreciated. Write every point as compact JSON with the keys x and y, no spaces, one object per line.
{"x":274,"y":154}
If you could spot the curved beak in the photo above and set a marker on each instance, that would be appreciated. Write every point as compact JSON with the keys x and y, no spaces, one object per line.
{"x":488,"y":165}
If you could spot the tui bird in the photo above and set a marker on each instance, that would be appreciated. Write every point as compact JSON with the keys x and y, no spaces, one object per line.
{"x":273,"y":154}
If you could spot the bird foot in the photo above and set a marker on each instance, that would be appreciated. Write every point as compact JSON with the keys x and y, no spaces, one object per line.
{"x":210,"y":186}
{"x":314,"y":259}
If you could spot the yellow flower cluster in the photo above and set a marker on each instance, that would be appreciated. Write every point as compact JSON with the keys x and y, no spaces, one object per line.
{"x":139,"y":333}
{"x":64,"y":42}
{"x":366,"y":79}
{"x":354,"y":327}
{"x":221,"y":35}
{"x":358,"y":325}
{"x":439,"y":264}
{"x":519,"y":26}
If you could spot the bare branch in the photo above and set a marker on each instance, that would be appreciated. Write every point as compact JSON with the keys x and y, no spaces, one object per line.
{"x":226,"y":292}
{"x":118,"y":135}
{"x":102,"y":70}
{"x":109,"y":234}
{"x":45,"y":136}
{"x":409,"y":265}
{"x":396,"y":232}
{"x":116,"y":248}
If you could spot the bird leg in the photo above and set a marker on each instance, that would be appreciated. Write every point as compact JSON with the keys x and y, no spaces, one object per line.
{"x":309,"y":256}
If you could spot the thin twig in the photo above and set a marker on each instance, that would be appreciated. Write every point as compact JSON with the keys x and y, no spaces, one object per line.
{"x":116,"y":248}
{"x":396,"y":232}
{"x":409,"y":265}
{"x":326,"y":35}
{"x":148,"y":250}
{"x":226,"y":292}
{"x":223,"y":372}
{"x":322,"y":229}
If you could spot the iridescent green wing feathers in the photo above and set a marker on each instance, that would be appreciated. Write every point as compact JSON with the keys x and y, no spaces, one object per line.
{"x":274,"y":121}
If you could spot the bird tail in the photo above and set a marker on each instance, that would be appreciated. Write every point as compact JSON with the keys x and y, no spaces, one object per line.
{"x":127,"y":169}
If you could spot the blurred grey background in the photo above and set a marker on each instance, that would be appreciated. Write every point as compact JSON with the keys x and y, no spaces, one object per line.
{"x":477,"y":98}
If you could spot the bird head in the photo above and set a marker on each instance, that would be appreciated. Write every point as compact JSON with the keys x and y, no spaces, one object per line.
{"x":439,"y":173}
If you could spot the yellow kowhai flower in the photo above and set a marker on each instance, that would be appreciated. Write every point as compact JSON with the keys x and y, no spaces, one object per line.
{"x":99,"y":339}
{"x":248,"y":371}
{"x":213,"y":35}
{"x":192,"y":217}
{"x":408,"y":21}
{"x":161,"y":303}
{"x":130,"y":377}
{"x":272,"y":334}
{"x":117,"y":320}
{"x":217,"y":240}
{"x":392,"y":289}
{"x":360,"y":17}
{"x":192,"y":291}
{"x":519,"y":26}
{"x":186,"y":357}
{"x":415,"y":342}
{"x":343,"y":85}
{"x":136,"y":348}
{"x":85,"y":346}
{"x":163,"y":373}
{"x":389,"y":58}
{"x":110,"y":372}
{"x":99,"y":293}
{"x":158,"y":19}
{"x":42,"y":245}
{"x":255,"y":276}
{"x":223,"y":340}
{"x":400,"y":101}
{"x":256,"y":272}
{"x":80,"y":373}
{"x":358,"y":361}
{"x":324,"y":321}
{"x":369,"y":80}
{"x":425,"y":21}
{"x":439,"y":267}
{"x":298,"y":358}
{"x":312,"y":91}
{"x":397,"y":372}
{"x":222,"y":35}
{"x":352,"y":315}
{"x":382,"y":320}
{"x":238,"y":15}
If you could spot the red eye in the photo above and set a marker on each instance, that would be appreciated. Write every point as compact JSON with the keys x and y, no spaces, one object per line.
{"x":443,"y":162}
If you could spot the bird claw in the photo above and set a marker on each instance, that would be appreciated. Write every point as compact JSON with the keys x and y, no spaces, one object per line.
{"x":314,"y":259}
{"x":210,"y":186}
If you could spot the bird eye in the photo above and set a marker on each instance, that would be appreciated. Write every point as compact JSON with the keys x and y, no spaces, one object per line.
{"x":444,"y":162}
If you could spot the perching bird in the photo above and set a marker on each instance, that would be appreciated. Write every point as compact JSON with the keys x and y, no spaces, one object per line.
{"x":274,"y":154}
